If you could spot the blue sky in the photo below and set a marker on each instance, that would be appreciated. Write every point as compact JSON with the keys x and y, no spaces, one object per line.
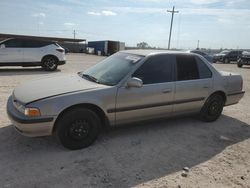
{"x":216,"y":23}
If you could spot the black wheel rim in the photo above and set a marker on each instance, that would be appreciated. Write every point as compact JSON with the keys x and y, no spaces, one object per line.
{"x":79,"y":129}
{"x":214,"y":108}
{"x":50,"y":63}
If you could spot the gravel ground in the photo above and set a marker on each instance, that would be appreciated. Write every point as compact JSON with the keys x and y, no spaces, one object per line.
{"x":150,"y":155}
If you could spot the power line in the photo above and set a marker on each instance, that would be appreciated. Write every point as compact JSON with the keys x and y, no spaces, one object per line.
{"x":172,"y":17}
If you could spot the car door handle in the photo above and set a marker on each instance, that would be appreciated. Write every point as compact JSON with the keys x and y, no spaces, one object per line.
{"x":205,"y":87}
{"x":166,"y":91}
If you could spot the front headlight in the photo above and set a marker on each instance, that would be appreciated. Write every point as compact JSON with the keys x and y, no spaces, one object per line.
{"x":32,"y":112}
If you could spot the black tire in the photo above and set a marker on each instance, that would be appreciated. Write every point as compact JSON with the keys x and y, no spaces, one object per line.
{"x":226,"y":60}
{"x":212,"y":108}
{"x":239,"y":63}
{"x":78,"y":128}
{"x":49,"y":63}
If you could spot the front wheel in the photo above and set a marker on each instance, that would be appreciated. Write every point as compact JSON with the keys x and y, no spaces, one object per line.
{"x":212,"y":108}
{"x":49,"y":63}
{"x":78,"y":128}
{"x":239,"y":63}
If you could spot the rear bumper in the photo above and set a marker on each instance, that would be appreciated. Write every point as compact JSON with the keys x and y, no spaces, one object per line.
{"x":27,"y":126}
{"x":234,"y":98}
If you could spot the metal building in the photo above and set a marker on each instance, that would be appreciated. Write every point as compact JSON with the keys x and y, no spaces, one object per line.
{"x":106,"y":47}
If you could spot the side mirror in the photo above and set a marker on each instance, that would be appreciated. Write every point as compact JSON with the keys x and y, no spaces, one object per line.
{"x":2,"y":46}
{"x":134,"y":82}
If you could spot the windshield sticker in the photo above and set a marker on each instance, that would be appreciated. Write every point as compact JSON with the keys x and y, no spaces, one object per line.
{"x":134,"y":59}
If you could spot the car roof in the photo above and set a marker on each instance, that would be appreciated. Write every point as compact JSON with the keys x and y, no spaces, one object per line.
{"x":153,"y":52}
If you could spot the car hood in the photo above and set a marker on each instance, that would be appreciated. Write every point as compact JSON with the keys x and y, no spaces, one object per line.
{"x":51,"y":86}
{"x":219,"y":55}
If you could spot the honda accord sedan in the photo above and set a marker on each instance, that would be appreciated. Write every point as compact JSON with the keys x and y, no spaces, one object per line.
{"x":129,"y":86}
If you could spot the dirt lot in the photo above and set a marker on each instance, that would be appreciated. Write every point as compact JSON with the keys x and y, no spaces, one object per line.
{"x":149,"y":155}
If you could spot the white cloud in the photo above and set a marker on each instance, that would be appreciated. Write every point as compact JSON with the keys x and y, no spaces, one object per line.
{"x":41,"y":15}
{"x":228,"y":15}
{"x":200,"y":2}
{"x":108,"y":13}
{"x":94,"y":13}
{"x":104,"y":13}
{"x":69,"y":24}
{"x":137,"y":10}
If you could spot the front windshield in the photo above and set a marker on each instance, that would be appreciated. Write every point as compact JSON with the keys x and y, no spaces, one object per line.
{"x":111,"y":70}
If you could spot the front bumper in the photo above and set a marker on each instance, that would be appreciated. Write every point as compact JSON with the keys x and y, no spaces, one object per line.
{"x":27,"y":126}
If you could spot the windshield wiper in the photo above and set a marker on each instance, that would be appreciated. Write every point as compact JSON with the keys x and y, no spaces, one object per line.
{"x":91,"y":78}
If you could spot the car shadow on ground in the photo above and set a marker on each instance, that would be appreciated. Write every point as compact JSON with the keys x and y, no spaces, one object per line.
{"x":245,"y":67}
{"x":121,"y":157}
{"x":24,"y":71}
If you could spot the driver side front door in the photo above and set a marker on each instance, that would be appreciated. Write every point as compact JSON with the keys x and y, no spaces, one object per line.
{"x":154,"y":99}
{"x":12,"y":51}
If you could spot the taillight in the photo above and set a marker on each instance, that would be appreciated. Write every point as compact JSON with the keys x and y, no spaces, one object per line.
{"x":60,"y":50}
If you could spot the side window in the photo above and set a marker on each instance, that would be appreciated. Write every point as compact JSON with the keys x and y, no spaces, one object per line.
{"x":44,"y":43}
{"x":31,"y":44}
{"x":187,"y":68}
{"x":204,"y":71}
{"x":13,"y":43}
{"x":157,"y":69}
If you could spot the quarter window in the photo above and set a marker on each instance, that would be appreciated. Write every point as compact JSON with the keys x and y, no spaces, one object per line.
{"x":157,"y":69}
{"x":35,"y":43}
{"x":204,"y":71}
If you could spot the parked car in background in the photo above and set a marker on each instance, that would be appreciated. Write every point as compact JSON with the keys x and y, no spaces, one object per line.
{"x":244,"y":59}
{"x":208,"y":57}
{"x":227,"y":56}
{"x":65,"y":49}
{"x":28,"y":52}
{"x":129,"y":86}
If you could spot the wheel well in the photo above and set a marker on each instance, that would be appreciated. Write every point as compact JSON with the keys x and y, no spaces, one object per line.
{"x":221,"y":93}
{"x":50,"y":55}
{"x":94,"y":108}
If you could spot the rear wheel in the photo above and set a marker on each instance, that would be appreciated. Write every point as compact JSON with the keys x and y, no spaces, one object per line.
{"x":78,"y":128}
{"x":212,"y":108}
{"x":49,"y":63}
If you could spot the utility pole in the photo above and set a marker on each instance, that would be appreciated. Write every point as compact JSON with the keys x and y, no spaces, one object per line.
{"x":198,"y":45}
{"x":74,"y":34}
{"x":170,"y":32}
